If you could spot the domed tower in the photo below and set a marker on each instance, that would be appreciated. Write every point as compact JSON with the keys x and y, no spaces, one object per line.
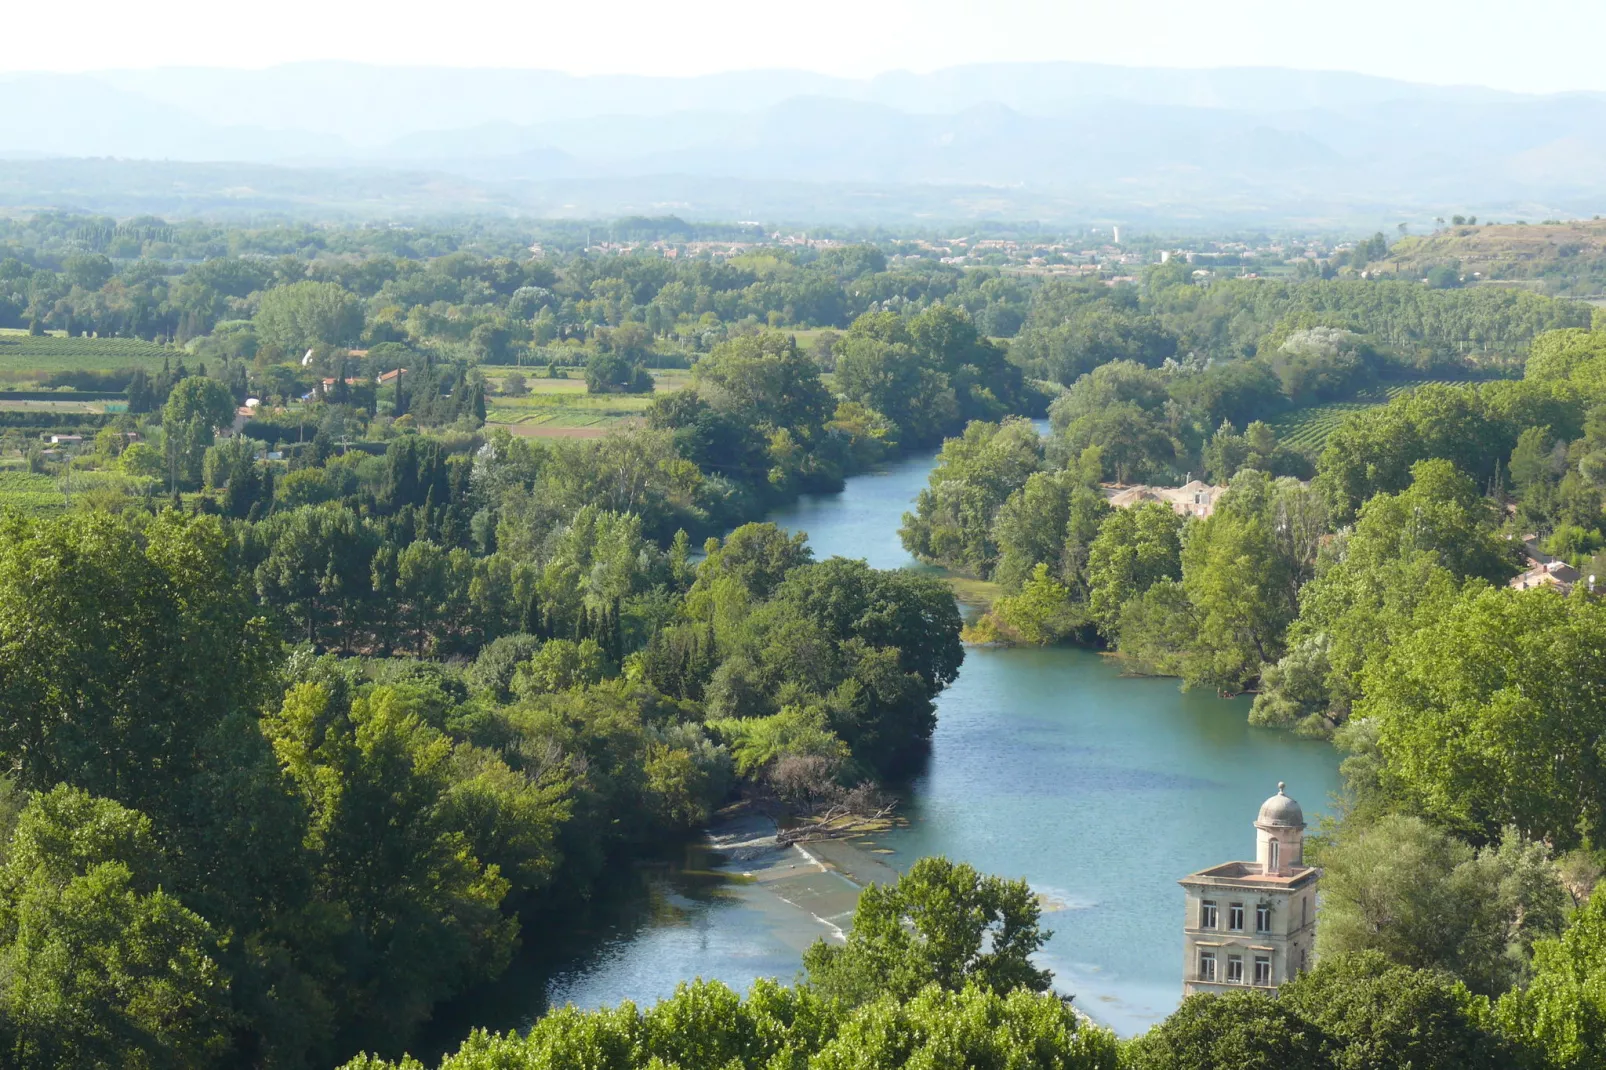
{"x":1280,"y":834}
{"x":1253,"y":924}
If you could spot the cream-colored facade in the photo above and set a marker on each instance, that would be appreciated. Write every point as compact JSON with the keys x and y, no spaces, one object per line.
{"x":1253,"y":924}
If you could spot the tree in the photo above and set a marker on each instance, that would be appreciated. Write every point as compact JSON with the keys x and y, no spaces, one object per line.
{"x":769,"y":380}
{"x":897,"y":634}
{"x":1324,"y":364}
{"x":319,"y":560}
{"x":142,"y":461}
{"x":559,"y":665}
{"x":939,"y":924}
{"x":1490,"y":714}
{"x":1425,"y":900}
{"x":1241,"y":591}
{"x":1560,"y":355}
{"x":1135,"y":548}
{"x":704,"y":1024}
{"x":1237,"y":1031}
{"x":1379,"y":1016}
{"x":1403,"y":563}
{"x":423,"y":913}
{"x":196,"y":408}
{"x":975,"y":474}
{"x":119,"y":651}
{"x":102,"y":968}
{"x":1051,"y":520}
{"x":613,"y":373}
{"x":199,"y":397}
{"x":1561,"y":1015}
{"x":304,"y":315}
{"x":1040,"y":613}
{"x":976,"y":1027}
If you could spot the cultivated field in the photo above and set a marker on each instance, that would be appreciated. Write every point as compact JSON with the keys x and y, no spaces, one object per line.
{"x":1307,"y":429}
{"x":561,"y":408}
{"x":26,"y":358}
{"x":33,"y":492}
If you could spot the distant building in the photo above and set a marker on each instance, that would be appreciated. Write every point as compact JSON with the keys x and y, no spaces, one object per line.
{"x":1253,"y":924}
{"x":1557,"y":574}
{"x":1195,"y":498}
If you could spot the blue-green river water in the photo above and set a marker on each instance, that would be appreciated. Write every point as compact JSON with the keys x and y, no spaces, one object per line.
{"x":1100,"y":790}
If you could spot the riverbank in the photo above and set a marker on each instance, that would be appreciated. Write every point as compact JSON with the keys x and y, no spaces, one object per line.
{"x":1100,"y":789}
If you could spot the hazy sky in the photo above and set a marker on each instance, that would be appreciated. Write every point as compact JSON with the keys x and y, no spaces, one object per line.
{"x":1532,"y":45}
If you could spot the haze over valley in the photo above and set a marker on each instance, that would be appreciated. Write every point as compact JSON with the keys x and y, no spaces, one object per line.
{"x":1058,"y":142}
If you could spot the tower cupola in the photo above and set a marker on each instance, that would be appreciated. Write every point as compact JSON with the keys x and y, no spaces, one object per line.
{"x":1280,"y":834}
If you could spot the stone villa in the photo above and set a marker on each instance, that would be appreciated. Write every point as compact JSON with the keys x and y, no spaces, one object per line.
{"x":1253,"y":924}
{"x":1194,"y":498}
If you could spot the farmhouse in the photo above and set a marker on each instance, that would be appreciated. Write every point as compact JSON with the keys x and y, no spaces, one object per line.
{"x":1194,"y":498}
{"x":1557,"y":574}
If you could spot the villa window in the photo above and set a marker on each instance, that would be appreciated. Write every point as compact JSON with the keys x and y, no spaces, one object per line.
{"x":1301,"y":960}
{"x":1263,"y":918}
{"x":1207,"y":914}
{"x":1207,"y":965}
{"x":1235,"y":969}
{"x":1304,"y":911}
{"x":1262,"y":969}
{"x":1235,"y":917}
{"x":1274,"y":856}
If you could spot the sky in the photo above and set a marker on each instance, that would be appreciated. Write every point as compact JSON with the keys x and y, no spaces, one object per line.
{"x":1528,"y":46}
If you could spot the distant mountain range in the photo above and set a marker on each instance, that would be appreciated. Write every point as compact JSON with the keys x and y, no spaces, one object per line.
{"x":1059,"y":142}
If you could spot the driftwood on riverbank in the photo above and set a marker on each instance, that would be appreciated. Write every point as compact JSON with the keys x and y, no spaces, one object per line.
{"x":837,"y":823}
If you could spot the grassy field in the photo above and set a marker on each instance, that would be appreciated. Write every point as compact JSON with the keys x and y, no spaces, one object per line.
{"x":30,"y":492}
{"x":1307,"y":429}
{"x":561,"y":408}
{"x":26,"y":358}
{"x":33,"y":492}
{"x":9,"y":405}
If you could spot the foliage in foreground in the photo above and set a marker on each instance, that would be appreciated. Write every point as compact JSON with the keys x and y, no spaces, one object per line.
{"x":935,"y":972}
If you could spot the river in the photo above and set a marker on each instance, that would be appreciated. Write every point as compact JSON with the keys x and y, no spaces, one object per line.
{"x":1101,"y":790}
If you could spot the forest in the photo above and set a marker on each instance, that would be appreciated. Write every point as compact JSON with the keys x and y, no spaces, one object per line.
{"x":315,"y":709}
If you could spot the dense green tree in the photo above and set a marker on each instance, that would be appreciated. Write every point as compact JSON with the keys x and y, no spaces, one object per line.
{"x":952,"y":524}
{"x":986,"y":1029}
{"x":102,"y":967}
{"x":615,"y":373}
{"x":305,"y":315}
{"x":1382,"y":1016}
{"x":1426,"y":900}
{"x":1489,"y":714}
{"x":1564,"y":354}
{"x":376,"y":779}
{"x":1135,"y":548}
{"x":1237,"y":1031}
{"x":119,"y":651}
{"x":1403,"y":562}
{"x":1561,"y":1014}
{"x":939,"y":924}
{"x":1052,"y":520}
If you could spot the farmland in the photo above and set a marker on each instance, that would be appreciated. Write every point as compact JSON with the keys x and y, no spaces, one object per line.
{"x":26,"y":358}
{"x":1307,"y":429}
{"x":35,"y":492}
{"x":561,"y":408}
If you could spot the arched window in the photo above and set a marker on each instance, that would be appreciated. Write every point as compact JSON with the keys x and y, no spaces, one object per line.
{"x":1273,"y":862}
